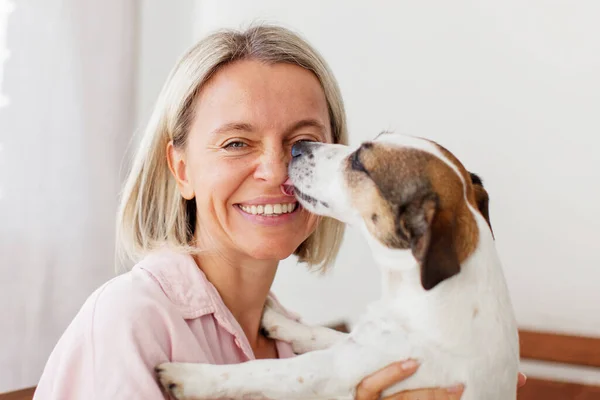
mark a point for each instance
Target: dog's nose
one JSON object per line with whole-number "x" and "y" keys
{"x": 299, "y": 148}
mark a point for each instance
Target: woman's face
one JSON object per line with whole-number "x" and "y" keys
{"x": 247, "y": 117}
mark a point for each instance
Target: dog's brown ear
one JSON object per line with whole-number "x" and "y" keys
{"x": 481, "y": 198}
{"x": 431, "y": 235}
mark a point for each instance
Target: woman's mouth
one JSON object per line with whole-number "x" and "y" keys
{"x": 269, "y": 210}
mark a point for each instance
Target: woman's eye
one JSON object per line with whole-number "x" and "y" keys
{"x": 235, "y": 145}
{"x": 306, "y": 140}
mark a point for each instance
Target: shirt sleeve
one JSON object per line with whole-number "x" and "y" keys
{"x": 110, "y": 350}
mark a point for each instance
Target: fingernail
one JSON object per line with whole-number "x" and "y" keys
{"x": 455, "y": 389}
{"x": 409, "y": 364}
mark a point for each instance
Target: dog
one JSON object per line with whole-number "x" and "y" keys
{"x": 444, "y": 298}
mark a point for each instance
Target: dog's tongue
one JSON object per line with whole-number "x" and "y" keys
{"x": 287, "y": 187}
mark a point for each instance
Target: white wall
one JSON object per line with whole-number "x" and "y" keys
{"x": 69, "y": 82}
{"x": 512, "y": 88}
{"x": 165, "y": 31}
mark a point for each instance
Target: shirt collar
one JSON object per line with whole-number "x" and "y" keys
{"x": 193, "y": 295}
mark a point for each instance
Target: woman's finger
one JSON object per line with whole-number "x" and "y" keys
{"x": 371, "y": 387}
{"x": 453, "y": 393}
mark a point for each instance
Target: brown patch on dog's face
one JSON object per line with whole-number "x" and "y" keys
{"x": 410, "y": 199}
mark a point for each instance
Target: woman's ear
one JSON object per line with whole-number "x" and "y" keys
{"x": 178, "y": 167}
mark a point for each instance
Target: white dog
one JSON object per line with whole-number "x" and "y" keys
{"x": 444, "y": 303}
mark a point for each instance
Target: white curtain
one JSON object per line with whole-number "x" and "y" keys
{"x": 64, "y": 132}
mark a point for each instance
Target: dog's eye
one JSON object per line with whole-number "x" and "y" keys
{"x": 355, "y": 162}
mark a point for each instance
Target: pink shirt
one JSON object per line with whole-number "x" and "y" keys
{"x": 164, "y": 309}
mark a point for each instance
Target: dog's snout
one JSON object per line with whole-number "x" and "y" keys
{"x": 301, "y": 148}
{"x": 297, "y": 150}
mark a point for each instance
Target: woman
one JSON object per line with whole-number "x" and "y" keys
{"x": 205, "y": 218}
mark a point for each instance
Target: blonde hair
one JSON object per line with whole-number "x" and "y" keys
{"x": 152, "y": 213}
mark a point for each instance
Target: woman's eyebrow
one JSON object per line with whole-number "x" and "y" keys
{"x": 245, "y": 127}
{"x": 233, "y": 126}
{"x": 306, "y": 123}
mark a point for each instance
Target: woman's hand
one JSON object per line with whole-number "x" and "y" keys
{"x": 371, "y": 387}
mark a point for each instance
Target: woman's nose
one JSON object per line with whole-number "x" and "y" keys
{"x": 273, "y": 167}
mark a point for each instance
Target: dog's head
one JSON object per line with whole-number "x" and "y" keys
{"x": 412, "y": 196}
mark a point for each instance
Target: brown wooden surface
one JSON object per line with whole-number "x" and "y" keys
{"x": 567, "y": 349}
{"x": 539, "y": 389}
{"x": 25, "y": 394}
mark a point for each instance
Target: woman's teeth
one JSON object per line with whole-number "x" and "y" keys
{"x": 270, "y": 209}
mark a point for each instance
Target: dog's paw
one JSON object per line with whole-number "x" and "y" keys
{"x": 273, "y": 322}
{"x": 278, "y": 326}
{"x": 174, "y": 377}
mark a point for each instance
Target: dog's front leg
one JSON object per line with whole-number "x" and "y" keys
{"x": 315, "y": 375}
{"x": 303, "y": 338}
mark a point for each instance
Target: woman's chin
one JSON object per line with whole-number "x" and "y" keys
{"x": 275, "y": 256}
{"x": 272, "y": 251}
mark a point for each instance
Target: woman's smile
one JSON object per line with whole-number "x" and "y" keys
{"x": 269, "y": 212}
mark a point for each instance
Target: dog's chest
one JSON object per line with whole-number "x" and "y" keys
{"x": 456, "y": 337}
{"x": 454, "y": 317}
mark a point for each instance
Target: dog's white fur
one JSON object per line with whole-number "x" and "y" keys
{"x": 436, "y": 327}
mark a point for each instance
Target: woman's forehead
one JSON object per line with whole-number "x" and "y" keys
{"x": 251, "y": 93}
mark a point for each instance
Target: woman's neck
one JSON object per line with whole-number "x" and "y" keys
{"x": 244, "y": 285}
